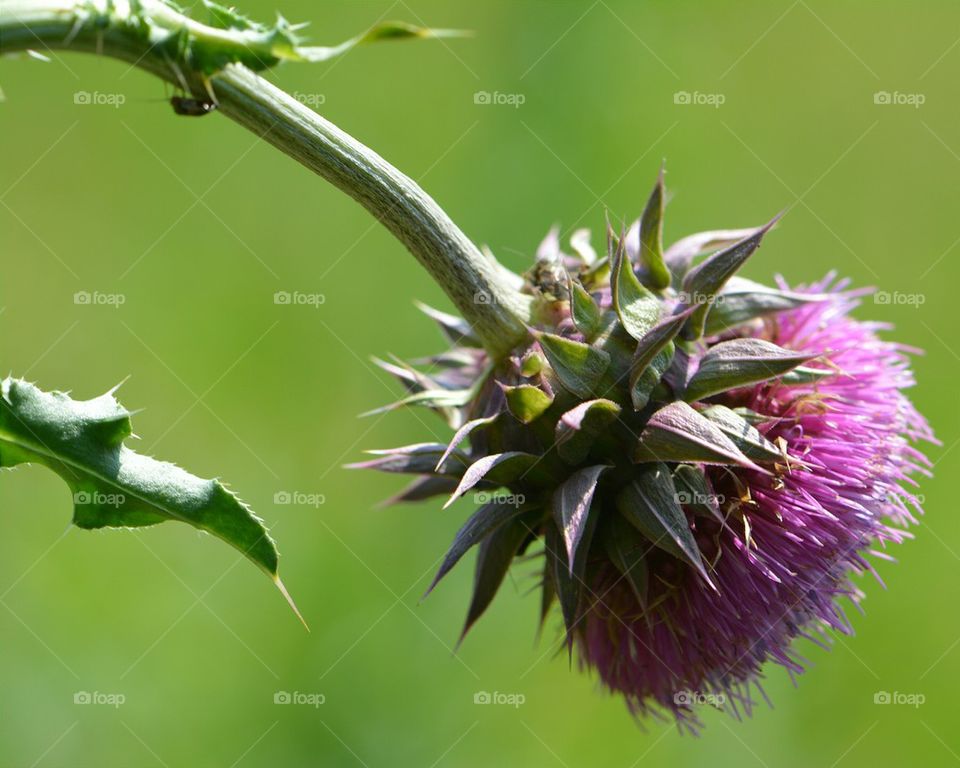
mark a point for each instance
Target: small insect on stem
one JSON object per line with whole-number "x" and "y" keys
{"x": 184, "y": 105}
{"x": 193, "y": 107}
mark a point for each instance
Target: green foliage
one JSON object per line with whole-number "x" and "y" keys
{"x": 83, "y": 441}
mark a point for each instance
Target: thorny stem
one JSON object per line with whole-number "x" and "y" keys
{"x": 140, "y": 33}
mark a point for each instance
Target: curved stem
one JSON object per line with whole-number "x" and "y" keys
{"x": 148, "y": 33}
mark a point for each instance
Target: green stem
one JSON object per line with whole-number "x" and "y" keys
{"x": 154, "y": 37}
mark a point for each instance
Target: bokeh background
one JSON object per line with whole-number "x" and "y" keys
{"x": 196, "y": 224}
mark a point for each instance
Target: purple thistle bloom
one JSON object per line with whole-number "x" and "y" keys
{"x": 792, "y": 541}
{"x": 706, "y": 461}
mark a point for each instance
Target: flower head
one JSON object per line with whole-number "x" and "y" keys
{"x": 705, "y": 461}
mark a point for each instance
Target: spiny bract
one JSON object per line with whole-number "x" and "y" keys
{"x": 706, "y": 460}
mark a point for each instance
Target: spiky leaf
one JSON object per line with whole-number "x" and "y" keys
{"x": 677, "y": 432}
{"x": 112, "y": 486}
{"x": 694, "y": 491}
{"x": 744, "y": 300}
{"x": 746, "y": 436}
{"x": 738, "y": 363}
{"x": 457, "y": 330}
{"x": 579, "y": 367}
{"x": 649, "y": 503}
{"x": 571, "y": 507}
{"x": 705, "y": 281}
{"x": 681, "y": 254}
{"x": 416, "y": 459}
{"x": 585, "y": 312}
{"x": 579, "y": 427}
{"x": 627, "y": 550}
{"x": 651, "y": 237}
{"x": 497, "y": 468}
{"x": 642, "y": 385}
{"x": 637, "y": 308}
{"x": 526, "y": 402}
{"x": 479, "y": 525}
{"x": 493, "y": 561}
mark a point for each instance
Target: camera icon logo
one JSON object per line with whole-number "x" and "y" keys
{"x": 282, "y": 497}
{"x": 282, "y": 697}
{"x": 482, "y": 97}
{"x": 82, "y": 697}
{"x": 682, "y": 97}
{"x": 882, "y": 97}
{"x": 482, "y": 697}
{"x": 282, "y": 297}
{"x": 82, "y": 297}
{"x": 882, "y": 697}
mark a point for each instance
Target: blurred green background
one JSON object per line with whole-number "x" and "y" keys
{"x": 196, "y": 224}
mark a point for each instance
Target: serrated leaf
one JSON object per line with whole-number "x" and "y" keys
{"x": 526, "y": 402}
{"x": 493, "y": 561}
{"x": 678, "y": 433}
{"x": 479, "y": 525}
{"x": 579, "y": 367}
{"x": 571, "y": 507}
{"x": 416, "y": 459}
{"x": 458, "y": 331}
{"x": 83, "y": 442}
{"x": 649, "y": 503}
{"x": 497, "y": 468}
{"x": 585, "y": 312}
{"x": 637, "y": 308}
{"x": 651, "y": 237}
{"x": 708, "y": 278}
{"x": 627, "y": 550}
{"x": 579, "y": 427}
{"x": 746, "y": 436}
{"x": 737, "y": 363}
{"x": 744, "y": 300}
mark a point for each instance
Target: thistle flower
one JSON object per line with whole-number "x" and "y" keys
{"x": 705, "y": 460}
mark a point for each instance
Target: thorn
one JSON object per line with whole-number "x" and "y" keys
{"x": 293, "y": 605}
